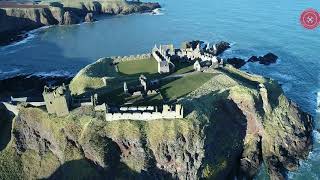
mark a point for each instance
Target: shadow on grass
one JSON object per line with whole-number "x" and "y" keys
{"x": 224, "y": 133}
{"x": 274, "y": 92}
{"x": 5, "y": 127}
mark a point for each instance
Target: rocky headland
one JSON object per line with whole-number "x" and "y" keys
{"x": 234, "y": 123}
{"x": 16, "y": 19}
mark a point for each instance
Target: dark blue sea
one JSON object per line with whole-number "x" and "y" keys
{"x": 253, "y": 27}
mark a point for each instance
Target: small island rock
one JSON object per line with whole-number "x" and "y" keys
{"x": 89, "y": 18}
{"x": 222, "y": 46}
{"x": 266, "y": 59}
{"x": 70, "y": 18}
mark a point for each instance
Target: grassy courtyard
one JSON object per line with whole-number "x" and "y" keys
{"x": 171, "y": 89}
{"x": 137, "y": 67}
{"x": 89, "y": 80}
{"x": 183, "y": 86}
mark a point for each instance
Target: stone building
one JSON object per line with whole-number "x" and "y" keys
{"x": 57, "y": 100}
{"x": 162, "y": 56}
{"x": 206, "y": 63}
{"x": 145, "y": 87}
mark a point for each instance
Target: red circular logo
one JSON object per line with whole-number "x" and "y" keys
{"x": 310, "y": 19}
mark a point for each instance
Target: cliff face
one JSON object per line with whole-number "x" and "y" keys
{"x": 14, "y": 20}
{"x": 231, "y": 127}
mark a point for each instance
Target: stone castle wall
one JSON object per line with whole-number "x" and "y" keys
{"x": 143, "y": 116}
{"x": 117, "y": 59}
{"x": 145, "y": 113}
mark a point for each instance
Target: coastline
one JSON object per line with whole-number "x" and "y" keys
{"x": 24, "y": 20}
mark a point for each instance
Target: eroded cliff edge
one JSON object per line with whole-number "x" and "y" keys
{"x": 234, "y": 123}
{"x": 15, "y": 19}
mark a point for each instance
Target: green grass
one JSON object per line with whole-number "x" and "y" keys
{"x": 90, "y": 77}
{"x": 118, "y": 97}
{"x": 137, "y": 67}
{"x": 181, "y": 68}
{"x": 242, "y": 77}
{"x": 184, "y": 85}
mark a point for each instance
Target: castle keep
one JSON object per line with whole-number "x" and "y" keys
{"x": 57, "y": 100}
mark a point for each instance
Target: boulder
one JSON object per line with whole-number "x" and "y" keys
{"x": 70, "y": 18}
{"x": 253, "y": 59}
{"x": 221, "y": 47}
{"x": 236, "y": 62}
{"x": 89, "y": 18}
{"x": 266, "y": 59}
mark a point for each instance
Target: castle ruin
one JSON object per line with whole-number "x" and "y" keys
{"x": 143, "y": 113}
{"x": 57, "y": 100}
{"x": 202, "y": 54}
{"x": 161, "y": 55}
{"x": 145, "y": 87}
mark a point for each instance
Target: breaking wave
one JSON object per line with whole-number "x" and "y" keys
{"x": 157, "y": 12}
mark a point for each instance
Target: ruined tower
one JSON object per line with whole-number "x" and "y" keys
{"x": 57, "y": 99}
{"x": 143, "y": 81}
{"x": 125, "y": 88}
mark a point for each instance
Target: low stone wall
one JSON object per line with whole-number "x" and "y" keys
{"x": 144, "y": 116}
{"x": 117, "y": 59}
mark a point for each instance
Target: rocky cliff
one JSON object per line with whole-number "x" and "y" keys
{"x": 234, "y": 123}
{"x": 15, "y": 20}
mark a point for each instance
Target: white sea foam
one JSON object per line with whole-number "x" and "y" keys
{"x": 316, "y": 136}
{"x": 157, "y": 12}
{"x": 31, "y": 34}
{"x": 282, "y": 77}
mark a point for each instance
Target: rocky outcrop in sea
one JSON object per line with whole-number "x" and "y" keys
{"x": 267, "y": 59}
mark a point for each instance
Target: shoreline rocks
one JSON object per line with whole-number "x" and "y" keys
{"x": 236, "y": 62}
{"x": 267, "y": 59}
{"x": 89, "y": 18}
{"x": 221, "y": 47}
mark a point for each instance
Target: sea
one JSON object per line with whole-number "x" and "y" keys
{"x": 253, "y": 27}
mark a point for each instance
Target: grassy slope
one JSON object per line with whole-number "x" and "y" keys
{"x": 90, "y": 77}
